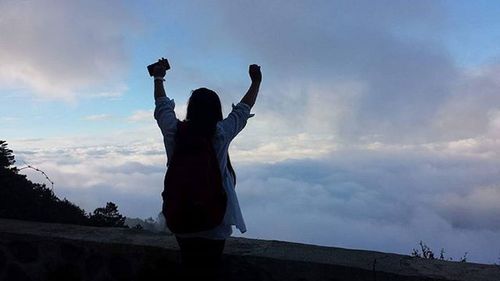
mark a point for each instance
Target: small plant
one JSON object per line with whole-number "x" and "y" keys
{"x": 138, "y": 227}
{"x": 425, "y": 252}
{"x": 464, "y": 258}
{"x": 441, "y": 254}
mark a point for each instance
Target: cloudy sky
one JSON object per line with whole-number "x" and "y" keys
{"x": 377, "y": 124}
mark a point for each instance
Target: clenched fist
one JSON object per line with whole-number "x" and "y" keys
{"x": 255, "y": 74}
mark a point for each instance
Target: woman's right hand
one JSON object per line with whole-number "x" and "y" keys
{"x": 255, "y": 74}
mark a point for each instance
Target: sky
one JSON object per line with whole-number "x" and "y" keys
{"x": 377, "y": 124}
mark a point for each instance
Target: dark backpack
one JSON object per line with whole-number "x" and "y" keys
{"x": 193, "y": 197}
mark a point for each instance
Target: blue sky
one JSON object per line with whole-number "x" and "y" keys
{"x": 473, "y": 40}
{"x": 377, "y": 124}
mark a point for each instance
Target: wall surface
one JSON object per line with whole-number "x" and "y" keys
{"x": 42, "y": 251}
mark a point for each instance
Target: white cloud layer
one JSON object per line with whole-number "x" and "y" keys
{"x": 97, "y": 117}
{"x": 141, "y": 115}
{"x": 381, "y": 197}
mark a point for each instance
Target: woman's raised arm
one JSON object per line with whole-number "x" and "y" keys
{"x": 256, "y": 77}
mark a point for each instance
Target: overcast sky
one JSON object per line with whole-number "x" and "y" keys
{"x": 377, "y": 124}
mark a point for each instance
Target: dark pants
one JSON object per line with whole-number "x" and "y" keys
{"x": 201, "y": 258}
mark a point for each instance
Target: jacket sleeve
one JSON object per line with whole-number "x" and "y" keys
{"x": 236, "y": 120}
{"x": 165, "y": 117}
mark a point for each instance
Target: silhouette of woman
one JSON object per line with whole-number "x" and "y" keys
{"x": 201, "y": 251}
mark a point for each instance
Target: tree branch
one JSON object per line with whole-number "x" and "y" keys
{"x": 38, "y": 170}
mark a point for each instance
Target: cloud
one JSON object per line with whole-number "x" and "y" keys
{"x": 97, "y": 117}
{"x": 359, "y": 71}
{"x": 146, "y": 115}
{"x": 8, "y": 119}
{"x": 477, "y": 209}
{"x": 141, "y": 115}
{"x": 64, "y": 48}
{"x": 91, "y": 175}
{"x": 372, "y": 199}
{"x": 379, "y": 196}
{"x": 472, "y": 109}
{"x": 112, "y": 93}
{"x": 271, "y": 149}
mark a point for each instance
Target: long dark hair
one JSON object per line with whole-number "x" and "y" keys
{"x": 204, "y": 110}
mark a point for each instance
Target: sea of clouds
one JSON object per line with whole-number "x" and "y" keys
{"x": 372, "y": 197}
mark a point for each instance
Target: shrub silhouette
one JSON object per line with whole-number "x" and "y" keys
{"x": 107, "y": 216}
{"x": 426, "y": 252}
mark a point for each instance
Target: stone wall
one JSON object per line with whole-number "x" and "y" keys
{"x": 41, "y": 251}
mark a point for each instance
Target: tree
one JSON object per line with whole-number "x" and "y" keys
{"x": 6, "y": 156}
{"x": 107, "y": 216}
{"x": 22, "y": 199}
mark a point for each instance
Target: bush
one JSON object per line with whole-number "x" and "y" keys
{"x": 426, "y": 252}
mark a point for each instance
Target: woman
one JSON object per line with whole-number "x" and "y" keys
{"x": 204, "y": 113}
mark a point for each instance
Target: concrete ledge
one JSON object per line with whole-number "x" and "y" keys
{"x": 43, "y": 251}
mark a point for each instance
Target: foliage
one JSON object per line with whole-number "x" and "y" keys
{"x": 6, "y": 156}
{"x": 148, "y": 224}
{"x": 22, "y": 199}
{"x": 138, "y": 227}
{"x": 107, "y": 216}
{"x": 426, "y": 252}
